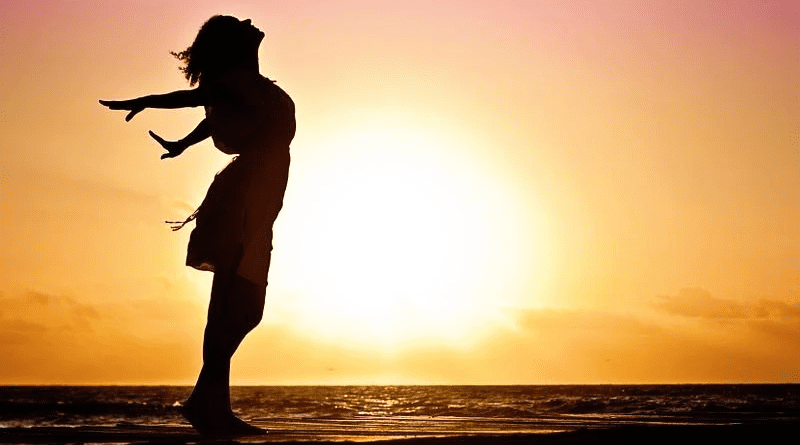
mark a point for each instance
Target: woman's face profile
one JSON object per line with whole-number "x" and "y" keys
{"x": 252, "y": 35}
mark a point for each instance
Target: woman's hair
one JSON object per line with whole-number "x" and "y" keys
{"x": 217, "y": 47}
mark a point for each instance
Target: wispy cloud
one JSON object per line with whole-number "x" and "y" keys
{"x": 696, "y": 302}
{"x": 37, "y": 312}
{"x": 776, "y": 318}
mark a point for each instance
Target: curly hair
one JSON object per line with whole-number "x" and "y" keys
{"x": 217, "y": 47}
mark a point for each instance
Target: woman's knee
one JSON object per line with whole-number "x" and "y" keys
{"x": 253, "y": 319}
{"x": 250, "y": 300}
{"x": 236, "y": 304}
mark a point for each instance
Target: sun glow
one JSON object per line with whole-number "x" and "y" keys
{"x": 400, "y": 238}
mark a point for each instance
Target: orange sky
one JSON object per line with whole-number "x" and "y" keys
{"x": 481, "y": 192}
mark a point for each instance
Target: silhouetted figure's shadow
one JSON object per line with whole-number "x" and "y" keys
{"x": 248, "y": 115}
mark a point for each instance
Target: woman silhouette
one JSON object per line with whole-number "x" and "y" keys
{"x": 247, "y": 115}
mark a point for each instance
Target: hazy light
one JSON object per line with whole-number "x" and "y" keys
{"x": 400, "y": 239}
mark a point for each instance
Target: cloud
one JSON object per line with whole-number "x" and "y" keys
{"x": 693, "y": 337}
{"x": 37, "y": 312}
{"x": 108, "y": 311}
{"x": 82, "y": 315}
{"x": 775, "y": 318}
{"x": 34, "y": 321}
{"x": 781, "y": 309}
{"x": 697, "y": 302}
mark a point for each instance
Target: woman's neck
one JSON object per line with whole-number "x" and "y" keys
{"x": 251, "y": 65}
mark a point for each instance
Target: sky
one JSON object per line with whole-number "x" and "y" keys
{"x": 507, "y": 192}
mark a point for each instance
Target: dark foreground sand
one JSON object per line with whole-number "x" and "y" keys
{"x": 784, "y": 432}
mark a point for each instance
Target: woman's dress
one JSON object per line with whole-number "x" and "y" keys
{"x": 250, "y": 116}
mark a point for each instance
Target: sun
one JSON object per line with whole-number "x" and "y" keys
{"x": 395, "y": 235}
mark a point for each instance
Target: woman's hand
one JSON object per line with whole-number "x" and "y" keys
{"x": 174, "y": 148}
{"x": 132, "y": 105}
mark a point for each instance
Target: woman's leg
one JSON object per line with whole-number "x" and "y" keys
{"x": 235, "y": 308}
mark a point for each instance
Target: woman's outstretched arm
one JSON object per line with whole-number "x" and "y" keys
{"x": 175, "y": 148}
{"x": 175, "y": 99}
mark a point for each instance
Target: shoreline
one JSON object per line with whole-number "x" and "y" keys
{"x": 745, "y": 433}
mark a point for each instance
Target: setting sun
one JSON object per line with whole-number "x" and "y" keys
{"x": 411, "y": 254}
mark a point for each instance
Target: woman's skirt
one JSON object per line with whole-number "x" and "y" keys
{"x": 233, "y": 232}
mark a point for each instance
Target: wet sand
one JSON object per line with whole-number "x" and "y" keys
{"x": 669, "y": 434}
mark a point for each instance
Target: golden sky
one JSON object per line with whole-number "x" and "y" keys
{"x": 501, "y": 192}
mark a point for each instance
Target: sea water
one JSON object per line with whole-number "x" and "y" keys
{"x": 410, "y": 410}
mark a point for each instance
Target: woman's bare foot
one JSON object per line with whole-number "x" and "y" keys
{"x": 220, "y": 424}
{"x": 191, "y": 412}
{"x": 236, "y": 427}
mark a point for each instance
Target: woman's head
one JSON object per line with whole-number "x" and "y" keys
{"x": 222, "y": 43}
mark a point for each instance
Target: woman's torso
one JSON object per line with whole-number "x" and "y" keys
{"x": 249, "y": 115}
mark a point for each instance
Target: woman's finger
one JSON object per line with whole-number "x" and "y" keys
{"x": 171, "y": 154}
{"x": 132, "y": 113}
{"x": 116, "y": 104}
{"x": 156, "y": 137}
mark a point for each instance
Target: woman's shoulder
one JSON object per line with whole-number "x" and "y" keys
{"x": 236, "y": 87}
{"x": 239, "y": 79}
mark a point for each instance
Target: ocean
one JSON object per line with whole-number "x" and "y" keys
{"x": 339, "y": 412}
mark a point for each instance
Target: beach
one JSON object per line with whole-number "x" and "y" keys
{"x": 413, "y": 415}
